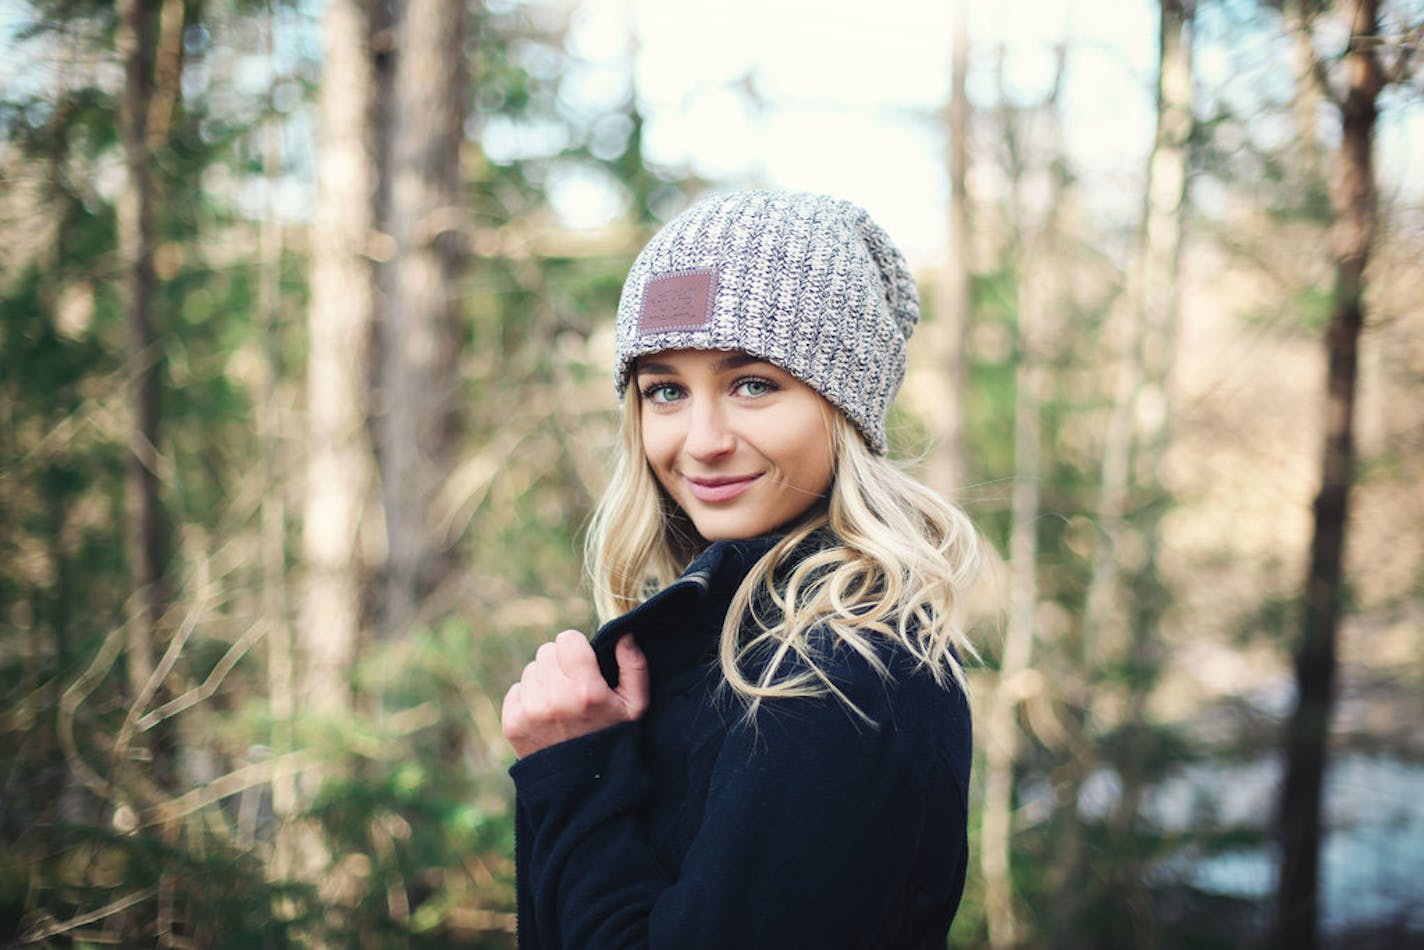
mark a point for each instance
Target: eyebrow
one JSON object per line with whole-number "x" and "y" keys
{"x": 730, "y": 361}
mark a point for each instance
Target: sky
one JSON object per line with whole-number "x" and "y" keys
{"x": 851, "y": 96}
{"x": 852, "y": 93}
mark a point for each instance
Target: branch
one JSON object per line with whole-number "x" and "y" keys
{"x": 96, "y": 411}
{"x": 1319, "y": 68}
{"x": 210, "y": 685}
{"x": 108, "y": 910}
{"x": 21, "y": 716}
{"x": 1408, "y": 44}
{"x": 249, "y": 776}
{"x": 69, "y": 704}
{"x": 155, "y": 679}
{"x": 259, "y": 773}
{"x": 465, "y": 490}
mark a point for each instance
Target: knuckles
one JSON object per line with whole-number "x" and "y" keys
{"x": 554, "y": 701}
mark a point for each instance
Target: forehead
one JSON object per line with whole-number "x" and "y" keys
{"x": 717, "y": 361}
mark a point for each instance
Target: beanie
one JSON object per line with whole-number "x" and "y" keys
{"x": 807, "y": 282}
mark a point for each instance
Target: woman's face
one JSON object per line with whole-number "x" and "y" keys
{"x": 740, "y": 444}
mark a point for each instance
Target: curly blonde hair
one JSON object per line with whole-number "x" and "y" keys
{"x": 896, "y": 566}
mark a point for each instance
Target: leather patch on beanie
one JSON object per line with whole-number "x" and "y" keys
{"x": 680, "y": 301}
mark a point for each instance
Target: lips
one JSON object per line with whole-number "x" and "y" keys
{"x": 713, "y": 490}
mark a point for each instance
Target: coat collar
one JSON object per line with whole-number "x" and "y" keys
{"x": 711, "y": 579}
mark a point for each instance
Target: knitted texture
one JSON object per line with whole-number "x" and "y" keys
{"x": 807, "y": 282}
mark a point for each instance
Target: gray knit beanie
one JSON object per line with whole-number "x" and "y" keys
{"x": 807, "y": 282}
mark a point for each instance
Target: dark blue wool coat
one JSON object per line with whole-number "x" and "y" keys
{"x": 806, "y": 827}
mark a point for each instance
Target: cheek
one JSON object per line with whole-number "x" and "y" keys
{"x": 821, "y": 466}
{"x": 659, "y": 440}
{"x": 817, "y": 451}
{"x": 807, "y": 459}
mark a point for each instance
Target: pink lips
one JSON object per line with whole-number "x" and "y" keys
{"x": 714, "y": 490}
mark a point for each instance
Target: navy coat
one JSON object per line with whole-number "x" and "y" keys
{"x": 694, "y": 827}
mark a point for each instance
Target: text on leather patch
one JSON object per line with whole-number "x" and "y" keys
{"x": 680, "y": 301}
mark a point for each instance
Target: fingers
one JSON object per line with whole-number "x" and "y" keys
{"x": 632, "y": 676}
{"x": 579, "y": 664}
{"x": 509, "y": 712}
{"x": 571, "y": 644}
{"x": 547, "y": 677}
{"x": 511, "y": 720}
{"x": 562, "y": 694}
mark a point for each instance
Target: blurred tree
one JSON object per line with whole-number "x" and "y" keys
{"x": 142, "y": 128}
{"x": 148, "y": 41}
{"x": 420, "y": 327}
{"x": 1143, "y": 408}
{"x": 955, "y": 300}
{"x": 339, "y": 466}
{"x": 273, "y": 437}
{"x": 1038, "y": 266}
{"x": 1353, "y": 230}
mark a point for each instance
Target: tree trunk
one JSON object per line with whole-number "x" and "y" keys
{"x": 281, "y": 683}
{"x": 956, "y": 300}
{"x": 340, "y": 466}
{"x": 1353, "y": 200}
{"x": 1135, "y": 439}
{"x": 167, "y": 71}
{"x": 146, "y": 529}
{"x": 150, "y": 47}
{"x": 339, "y": 463}
{"x": 1138, "y": 423}
{"x": 1001, "y": 729}
{"x": 420, "y": 330}
{"x": 1039, "y": 263}
{"x": 1158, "y": 269}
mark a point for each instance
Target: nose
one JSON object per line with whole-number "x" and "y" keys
{"x": 708, "y": 435}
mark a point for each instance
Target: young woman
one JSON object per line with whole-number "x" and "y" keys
{"x": 767, "y": 744}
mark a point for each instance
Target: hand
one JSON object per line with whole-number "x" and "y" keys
{"x": 562, "y": 695}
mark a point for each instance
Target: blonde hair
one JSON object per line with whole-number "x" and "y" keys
{"x": 898, "y": 561}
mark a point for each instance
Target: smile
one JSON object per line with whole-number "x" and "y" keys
{"x": 714, "y": 490}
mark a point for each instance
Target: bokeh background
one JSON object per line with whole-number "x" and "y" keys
{"x": 305, "y": 347}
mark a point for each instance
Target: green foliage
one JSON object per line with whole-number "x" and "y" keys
{"x": 422, "y": 853}
{"x": 210, "y": 892}
{"x": 990, "y": 403}
{"x": 1303, "y": 314}
{"x": 416, "y": 812}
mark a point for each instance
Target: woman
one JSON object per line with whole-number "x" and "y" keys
{"x": 768, "y": 745}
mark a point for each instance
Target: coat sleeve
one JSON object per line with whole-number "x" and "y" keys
{"x": 811, "y": 823}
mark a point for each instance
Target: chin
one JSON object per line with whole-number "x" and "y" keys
{"x": 732, "y": 528}
{"x": 728, "y": 532}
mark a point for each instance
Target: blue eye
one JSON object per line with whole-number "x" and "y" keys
{"x": 755, "y": 387}
{"x": 662, "y": 393}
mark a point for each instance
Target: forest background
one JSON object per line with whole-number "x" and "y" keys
{"x": 305, "y": 335}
